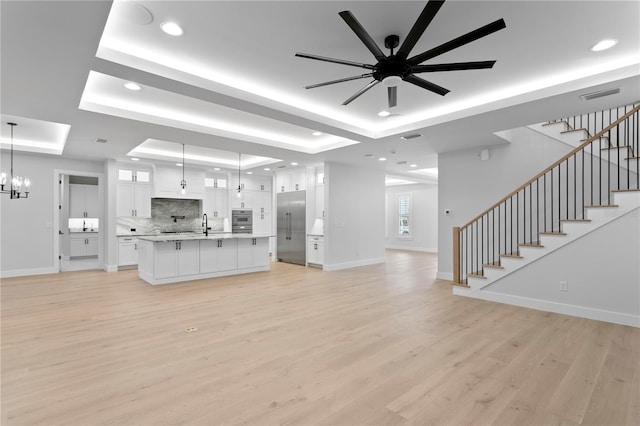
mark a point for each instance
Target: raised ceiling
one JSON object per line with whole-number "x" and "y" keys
{"x": 231, "y": 82}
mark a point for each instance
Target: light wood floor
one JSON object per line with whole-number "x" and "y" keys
{"x": 385, "y": 344}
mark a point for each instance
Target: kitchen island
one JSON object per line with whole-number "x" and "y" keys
{"x": 165, "y": 259}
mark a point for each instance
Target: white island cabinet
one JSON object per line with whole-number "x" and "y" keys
{"x": 170, "y": 259}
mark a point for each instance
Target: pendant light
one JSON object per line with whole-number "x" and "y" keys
{"x": 19, "y": 186}
{"x": 239, "y": 194}
{"x": 183, "y": 183}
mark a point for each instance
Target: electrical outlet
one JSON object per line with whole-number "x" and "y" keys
{"x": 564, "y": 286}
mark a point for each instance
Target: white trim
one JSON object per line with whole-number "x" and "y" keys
{"x": 444, "y": 276}
{"x": 25, "y": 272}
{"x": 354, "y": 264}
{"x": 548, "y": 306}
{"x": 110, "y": 268}
{"x": 409, "y": 248}
{"x": 56, "y": 211}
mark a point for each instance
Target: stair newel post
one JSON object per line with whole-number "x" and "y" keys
{"x": 456, "y": 255}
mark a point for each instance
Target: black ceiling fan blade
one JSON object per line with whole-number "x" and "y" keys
{"x": 392, "y": 94}
{"x": 362, "y": 34}
{"x": 326, "y": 83}
{"x": 459, "y": 41}
{"x": 426, "y": 85}
{"x": 421, "y": 24}
{"x": 360, "y": 92}
{"x": 457, "y": 66}
{"x": 335, "y": 61}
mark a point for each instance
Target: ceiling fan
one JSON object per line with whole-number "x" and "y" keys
{"x": 393, "y": 68}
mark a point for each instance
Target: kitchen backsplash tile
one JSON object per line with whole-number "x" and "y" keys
{"x": 161, "y": 221}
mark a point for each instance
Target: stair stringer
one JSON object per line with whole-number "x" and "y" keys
{"x": 629, "y": 209}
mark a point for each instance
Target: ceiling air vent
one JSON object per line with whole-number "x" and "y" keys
{"x": 600, "y": 94}
{"x": 413, "y": 136}
{"x": 401, "y": 162}
{"x": 100, "y": 140}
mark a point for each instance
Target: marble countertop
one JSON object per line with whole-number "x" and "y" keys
{"x": 80, "y": 231}
{"x": 189, "y": 237}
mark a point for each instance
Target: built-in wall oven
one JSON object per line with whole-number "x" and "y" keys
{"x": 241, "y": 221}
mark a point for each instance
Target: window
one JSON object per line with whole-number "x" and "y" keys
{"x": 142, "y": 176}
{"x": 126, "y": 175}
{"x": 404, "y": 216}
{"x": 209, "y": 182}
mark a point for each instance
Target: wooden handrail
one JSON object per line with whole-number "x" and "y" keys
{"x": 542, "y": 173}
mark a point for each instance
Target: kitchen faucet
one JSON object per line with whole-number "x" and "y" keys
{"x": 205, "y": 223}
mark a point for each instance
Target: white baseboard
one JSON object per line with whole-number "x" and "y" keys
{"x": 444, "y": 276}
{"x": 422, "y": 249}
{"x": 25, "y": 272}
{"x": 354, "y": 264}
{"x": 110, "y": 268}
{"x": 549, "y": 306}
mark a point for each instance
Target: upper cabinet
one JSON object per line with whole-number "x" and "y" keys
{"x": 134, "y": 192}
{"x": 167, "y": 183}
{"x": 83, "y": 201}
{"x": 293, "y": 180}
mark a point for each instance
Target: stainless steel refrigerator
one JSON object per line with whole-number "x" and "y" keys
{"x": 291, "y": 227}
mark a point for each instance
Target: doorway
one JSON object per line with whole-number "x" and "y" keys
{"x": 79, "y": 223}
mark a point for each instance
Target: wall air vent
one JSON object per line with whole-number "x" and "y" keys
{"x": 413, "y": 136}
{"x": 600, "y": 94}
{"x": 100, "y": 140}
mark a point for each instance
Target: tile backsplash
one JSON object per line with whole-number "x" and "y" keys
{"x": 162, "y": 210}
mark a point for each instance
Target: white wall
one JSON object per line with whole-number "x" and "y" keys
{"x": 354, "y": 210}
{"x": 468, "y": 185}
{"x": 601, "y": 270}
{"x": 424, "y": 212}
{"x": 26, "y": 230}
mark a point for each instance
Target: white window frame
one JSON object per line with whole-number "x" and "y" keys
{"x": 409, "y": 217}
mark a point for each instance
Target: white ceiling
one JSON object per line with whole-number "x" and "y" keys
{"x": 232, "y": 82}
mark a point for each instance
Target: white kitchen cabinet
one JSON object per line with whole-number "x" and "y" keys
{"x": 215, "y": 203}
{"x": 218, "y": 255}
{"x": 262, "y": 223}
{"x": 167, "y": 183}
{"x": 133, "y": 199}
{"x": 315, "y": 250}
{"x": 83, "y": 201}
{"x": 176, "y": 259}
{"x": 253, "y": 252}
{"x": 127, "y": 251}
{"x": 294, "y": 180}
{"x": 319, "y": 211}
{"x": 245, "y": 201}
{"x": 262, "y": 202}
{"x": 82, "y": 245}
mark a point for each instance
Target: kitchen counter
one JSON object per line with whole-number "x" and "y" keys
{"x": 171, "y": 258}
{"x": 76, "y": 231}
{"x": 191, "y": 237}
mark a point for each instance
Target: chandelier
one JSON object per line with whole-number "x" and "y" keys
{"x": 19, "y": 186}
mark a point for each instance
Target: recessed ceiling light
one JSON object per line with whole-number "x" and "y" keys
{"x": 267, "y": 169}
{"x": 216, "y": 169}
{"x": 604, "y": 45}
{"x": 249, "y": 173}
{"x": 382, "y": 159}
{"x": 135, "y": 159}
{"x": 179, "y": 164}
{"x": 316, "y": 133}
{"x": 132, "y": 86}
{"x": 413, "y": 165}
{"x": 294, "y": 164}
{"x": 171, "y": 28}
{"x": 384, "y": 113}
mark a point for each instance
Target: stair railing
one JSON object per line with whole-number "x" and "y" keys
{"x": 558, "y": 193}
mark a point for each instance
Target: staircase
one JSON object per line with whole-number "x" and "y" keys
{"x": 595, "y": 184}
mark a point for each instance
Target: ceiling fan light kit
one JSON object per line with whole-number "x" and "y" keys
{"x": 391, "y": 69}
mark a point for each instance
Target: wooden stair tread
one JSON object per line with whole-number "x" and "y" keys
{"x": 625, "y": 190}
{"x": 575, "y": 220}
{"x": 476, "y": 275}
{"x": 601, "y": 206}
{"x": 552, "y": 233}
{"x": 556, "y": 122}
{"x": 493, "y": 265}
{"x": 460, "y": 284}
{"x": 575, "y": 130}
{"x": 515, "y": 256}
{"x": 632, "y": 158}
{"x": 599, "y": 137}
{"x": 530, "y": 245}
{"x": 629, "y": 147}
